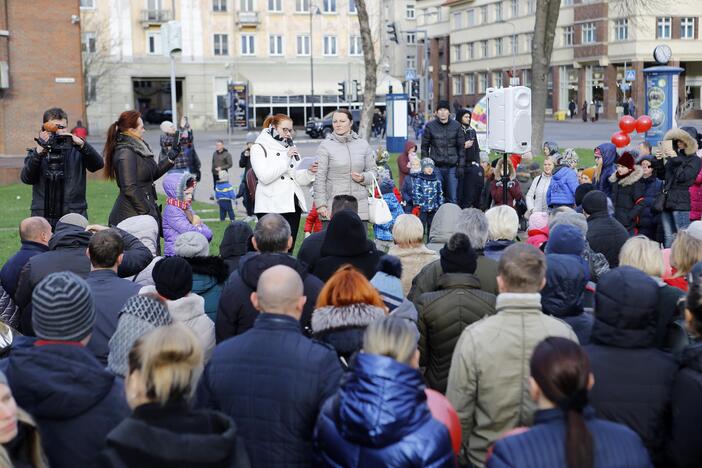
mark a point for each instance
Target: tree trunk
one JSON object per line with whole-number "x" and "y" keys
{"x": 541, "y": 49}
{"x": 370, "y": 66}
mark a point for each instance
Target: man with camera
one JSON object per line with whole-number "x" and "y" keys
{"x": 56, "y": 169}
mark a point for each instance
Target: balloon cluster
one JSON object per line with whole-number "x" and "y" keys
{"x": 628, "y": 124}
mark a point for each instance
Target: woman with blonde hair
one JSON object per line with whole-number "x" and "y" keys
{"x": 347, "y": 303}
{"x": 644, "y": 254}
{"x": 380, "y": 414}
{"x": 164, "y": 368}
{"x": 684, "y": 253}
{"x": 408, "y": 236}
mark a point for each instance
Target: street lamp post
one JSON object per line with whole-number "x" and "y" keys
{"x": 314, "y": 10}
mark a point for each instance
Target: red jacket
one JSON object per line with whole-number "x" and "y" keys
{"x": 313, "y": 223}
{"x": 696, "y": 198}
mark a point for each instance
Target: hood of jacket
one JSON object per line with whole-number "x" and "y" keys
{"x": 186, "y": 308}
{"x": 566, "y": 278}
{"x": 253, "y": 264}
{"x": 236, "y": 239}
{"x": 565, "y": 239}
{"x": 552, "y": 147}
{"x": 346, "y": 236}
{"x": 144, "y": 228}
{"x": 625, "y": 309}
{"x": 386, "y": 186}
{"x": 445, "y": 223}
{"x": 380, "y": 401}
{"x": 57, "y": 381}
{"x": 174, "y": 184}
{"x": 349, "y": 316}
{"x": 209, "y": 266}
{"x": 349, "y": 137}
{"x": 409, "y": 144}
{"x": 510, "y": 169}
{"x": 560, "y": 173}
{"x": 680, "y": 134}
{"x": 136, "y": 145}
{"x": 609, "y": 154}
{"x": 69, "y": 236}
{"x": 633, "y": 177}
{"x": 692, "y": 357}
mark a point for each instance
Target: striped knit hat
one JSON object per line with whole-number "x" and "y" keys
{"x": 62, "y": 308}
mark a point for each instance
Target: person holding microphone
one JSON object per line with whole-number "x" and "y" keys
{"x": 275, "y": 161}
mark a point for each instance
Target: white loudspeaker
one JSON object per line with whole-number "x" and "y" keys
{"x": 509, "y": 119}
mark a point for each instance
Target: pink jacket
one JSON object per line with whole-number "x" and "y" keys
{"x": 696, "y": 198}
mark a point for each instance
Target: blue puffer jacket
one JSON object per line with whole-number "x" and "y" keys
{"x": 427, "y": 192}
{"x": 384, "y": 231}
{"x": 379, "y": 417}
{"x": 561, "y": 190}
{"x": 609, "y": 159}
{"x": 544, "y": 444}
{"x": 649, "y": 221}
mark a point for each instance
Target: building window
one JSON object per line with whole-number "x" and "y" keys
{"x": 275, "y": 44}
{"x": 498, "y": 11}
{"x": 531, "y": 6}
{"x": 153, "y": 43}
{"x": 302, "y": 6}
{"x": 456, "y": 53}
{"x": 621, "y": 29}
{"x": 87, "y": 4}
{"x": 497, "y": 79}
{"x": 484, "y": 14}
{"x": 246, "y": 5}
{"x": 329, "y": 45}
{"x": 409, "y": 11}
{"x": 663, "y": 26}
{"x": 568, "y": 35}
{"x": 589, "y": 36}
{"x": 498, "y": 47}
{"x": 411, "y": 62}
{"x": 457, "y": 86}
{"x": 303, "y": 45}
{"x": 411, "y": 38}
{"x": 687, "y": 28}
{"x": 355, "y": 46}
{"x": 248, "y": 44}
{"x": 470, "y": 51}
{"x": 482, "y": 83}
{"x": 470, "y": 83}
{"x": 329, "y": 6}
{"x": 89, "y": 42}
{"x": 483, "y": 49}
{"x": 275, "y": 5}
{"x": 470, "y": 14}
{"x": 221, "y": 44}
{"x": 457, "y": 23}
{"x": 219, "y": 5}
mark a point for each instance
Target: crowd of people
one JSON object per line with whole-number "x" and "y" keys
{"x": 508, "y": 314}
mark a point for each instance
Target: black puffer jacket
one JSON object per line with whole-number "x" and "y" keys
{"x": 236, "y": 314}
{"x": 236, "y": 242}
{"x": 606, "y": 235}
{"x": 136, "y": 170}
{"x": 687, "y": 409}
{"x": 443, "y": 142}
{"x": 472, "y": 154}
{"x": 443, "y": 315}
{"x": 633, "y": 380}
{"x": 681, "y": 171}
{"x": 628, "y": 198}
{"x": 76, "y": 161}
{"x": 650, "y": 220}
{"x": 562, "y": 297}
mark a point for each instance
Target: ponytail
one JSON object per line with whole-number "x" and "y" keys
{"x": 127, "y": 119}
{"x": 579, "y": 447}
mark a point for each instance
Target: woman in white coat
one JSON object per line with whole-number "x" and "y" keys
{"x": 536, "y": 196}
{"x": 274, "y": 160}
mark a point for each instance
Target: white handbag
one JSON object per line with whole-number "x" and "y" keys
{"x": 378, "y": 210}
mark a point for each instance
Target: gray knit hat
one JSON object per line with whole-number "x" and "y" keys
{"x": 62, "y": 308}
{"x": 140, "y": 315}
{"x": 192, "y": 244}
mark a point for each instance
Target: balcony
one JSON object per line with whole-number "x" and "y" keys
{"x": 247, "y": 19}
{"x": 155, "y": 17}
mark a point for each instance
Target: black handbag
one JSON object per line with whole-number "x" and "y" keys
{"x": 658, "y": 204}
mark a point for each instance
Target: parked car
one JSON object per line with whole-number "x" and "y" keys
{"x": 320, "y": 128}
{"x": 156, "y": 116}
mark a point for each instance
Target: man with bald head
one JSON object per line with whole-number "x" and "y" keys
{"x": 272, "y": 380}
{"x": 34, "y": 233}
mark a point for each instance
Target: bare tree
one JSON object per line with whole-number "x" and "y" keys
{"x": 97, "y": 62}
{"x": 541, "y": 49}
{"x": 370, "y": 65}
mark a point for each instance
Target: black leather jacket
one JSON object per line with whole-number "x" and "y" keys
{"x": 135, "y": 171}
{"x": 443, "y": 142}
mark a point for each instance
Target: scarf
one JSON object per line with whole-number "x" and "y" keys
{"x": 276, "y": 136}
{"x": 183, "y": 205}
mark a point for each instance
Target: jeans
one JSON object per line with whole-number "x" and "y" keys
{"x": 426, "y": 217}
{"x": 673, "y": 221}
{"x": 225, "y": 209}
{"x": 449, "y": 182}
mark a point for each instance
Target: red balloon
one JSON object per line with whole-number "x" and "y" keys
{"x": 643, "y": 124}
{"x": 442, "y": 410}
{"x": 627, "y": 124}
{"x": 620, "y": 139}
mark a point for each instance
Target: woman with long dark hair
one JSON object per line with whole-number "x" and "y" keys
{"x": 566, "y": 432}
{"x": 130, "y": 161}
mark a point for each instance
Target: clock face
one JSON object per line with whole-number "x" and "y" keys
{"x": 662, "y": 54}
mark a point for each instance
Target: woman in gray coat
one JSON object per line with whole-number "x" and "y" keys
{"x": 345, "y": 167}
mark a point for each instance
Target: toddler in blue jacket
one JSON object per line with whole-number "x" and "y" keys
{"x": 225, "y": 195}
{"x": 427, "y": 193}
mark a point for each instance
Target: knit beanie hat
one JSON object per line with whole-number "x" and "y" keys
{"x": 139, "y": 315}
{"x": 569, "y": 158}
{"x": 565, "y": 239}
{"x": 251, "y": 137}
{"x": 595, "y": 202}
{"x": 538, "y": 220}
{"x": 427, "y": 162}
{"x": 581, "y": 191}
{"x": 387, "y": 281}
{"x": 173, "y": 277}
{"x": 192, "y": 244}
{"x": 626, "y": 160}
{"x": 74, "y": 219}
{"x": 695, "y": 230}
{"x": 62, "y": 308}
{"x": 589, "y": 172}
{"x": 443, "y": 104}
{"x": 458, "y": 256}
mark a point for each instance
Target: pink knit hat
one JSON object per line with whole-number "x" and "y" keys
{"x": 538, "y": 220}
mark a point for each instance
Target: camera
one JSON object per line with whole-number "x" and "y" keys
{"x": 57, "y": 146}
{"x": 57, "y": 143}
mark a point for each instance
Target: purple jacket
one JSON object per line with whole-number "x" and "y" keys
{"x": 175, "y": 221}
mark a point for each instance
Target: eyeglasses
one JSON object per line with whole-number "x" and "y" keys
{"x": 288, "y": 130}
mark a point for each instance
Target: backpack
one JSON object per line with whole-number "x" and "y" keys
{"x": 251, "y": 179}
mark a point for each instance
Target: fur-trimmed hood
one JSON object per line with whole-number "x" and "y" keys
{"x": 633, "y": 177}
{"x": 680, "y": 134}
{"x": 351, "y": 316}
{"x": 136, "y": 145}
{"x": 498, "y": 170}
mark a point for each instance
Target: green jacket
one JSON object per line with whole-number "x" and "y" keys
{"x": 488, "y": 383}
{"x": 443, "y": 315}
{"x": 427, "y": 279}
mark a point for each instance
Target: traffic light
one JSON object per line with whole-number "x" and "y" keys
{"x": 415, "y": 88}
{"x": 392, "y": 33}
{"x": 342, "y": 90}
{"x": 356, "y": 90}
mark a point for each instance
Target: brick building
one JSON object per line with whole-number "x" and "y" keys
{"x": 40, "y": 59}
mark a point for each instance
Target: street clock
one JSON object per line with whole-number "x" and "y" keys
{"x": 662, "y": 54}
